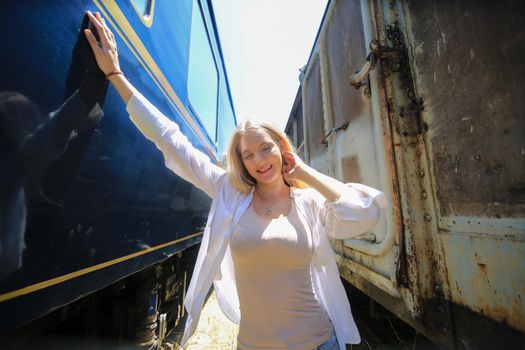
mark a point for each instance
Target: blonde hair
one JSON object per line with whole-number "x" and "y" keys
{"x": 238, "y": 174}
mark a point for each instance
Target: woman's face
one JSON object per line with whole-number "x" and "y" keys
{"x": 261, "y": 156}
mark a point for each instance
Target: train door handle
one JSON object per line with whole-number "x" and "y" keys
{"x": 377, "y": 52}
{"x": 324, "y": 141}
{"x": 356, "y": 80}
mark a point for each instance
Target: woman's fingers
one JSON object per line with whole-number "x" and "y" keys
{"x": 103, "y": 23}
{"x": 104, "y": 35}
{"x": 293, "y": 167}
{"x": 289, "y": 163}
{"x": 93, "y": 19}
{"x": 96, "y": 22}
{"x": 109, "y": 33}
{"x": 92, "y": 41}
{"x": 106, "y": 51}
{"x": 290, "y": 159}
{"x": 101, "y": 30}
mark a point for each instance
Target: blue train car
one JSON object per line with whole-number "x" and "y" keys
{"x": 96, "y": 211}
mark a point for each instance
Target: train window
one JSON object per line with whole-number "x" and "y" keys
{"x": 144, "y": 9}
{"x": 345, "y": 54}
{"x": 203, "y": 75}
{"x": 295, "y": 132}
{"x": 300, "y": 135}
{"x": 313, "y": 112}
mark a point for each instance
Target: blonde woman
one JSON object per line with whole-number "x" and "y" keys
{"x": 265, "y": 246}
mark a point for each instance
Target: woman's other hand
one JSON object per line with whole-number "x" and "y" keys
{"x": 293, "y": 167}
{"x": 105, "y": 51}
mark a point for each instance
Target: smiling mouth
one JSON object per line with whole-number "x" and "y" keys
{"x": 265, "y": 170}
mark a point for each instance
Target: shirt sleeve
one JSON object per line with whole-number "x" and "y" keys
{"x": 354, "y": 213}
{"x": 180, "y": 155}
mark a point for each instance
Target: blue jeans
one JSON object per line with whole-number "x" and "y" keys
{"x": 330, "y": 344}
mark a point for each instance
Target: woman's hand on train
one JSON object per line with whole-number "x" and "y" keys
{"x": 105, "y": 51}
{"x": 293, "y": 166}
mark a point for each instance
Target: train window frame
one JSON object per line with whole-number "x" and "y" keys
{"x": 145, "y": 15}
{"x": 212, "y": 134}
{"x": 228, "y": 120}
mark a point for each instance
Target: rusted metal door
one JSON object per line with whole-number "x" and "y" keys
{"x": 348, "y": 135}
{"x": 372, "y": 134}
{"x": 471, "y": 74}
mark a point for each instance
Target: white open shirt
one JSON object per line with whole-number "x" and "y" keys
{"x": 356, "y": 212}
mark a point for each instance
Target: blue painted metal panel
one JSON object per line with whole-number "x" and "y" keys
{"x": 108, "y": 195}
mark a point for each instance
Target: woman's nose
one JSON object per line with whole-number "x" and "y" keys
{"x": 260, "y": 157}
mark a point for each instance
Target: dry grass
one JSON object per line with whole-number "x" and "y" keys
{"x": 214, "y": 332}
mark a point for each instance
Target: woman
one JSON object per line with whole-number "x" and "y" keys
{"x": 265, "y": 246}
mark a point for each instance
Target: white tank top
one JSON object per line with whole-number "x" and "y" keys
{"x": 279, "y": 309}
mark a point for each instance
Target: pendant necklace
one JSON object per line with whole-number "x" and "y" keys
{"x": 268, "y": 207}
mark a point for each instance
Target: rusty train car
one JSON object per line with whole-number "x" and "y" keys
{"x": 425, "y": 100}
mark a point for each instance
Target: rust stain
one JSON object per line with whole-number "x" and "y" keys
{"x": 490, "y": 300}
{"x": 513, "y": 319}
{"x": 351, "y": 172}
{"x": 457, "y": 288}
{"x": 483, "y": 268}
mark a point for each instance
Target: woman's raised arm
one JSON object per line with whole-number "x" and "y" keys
{"x": 346, "y": 210}
{"x": 179, "y": 154}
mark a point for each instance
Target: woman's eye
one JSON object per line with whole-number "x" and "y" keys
{"x": 267, "y": 148}
{"x": 248, "y": 156}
